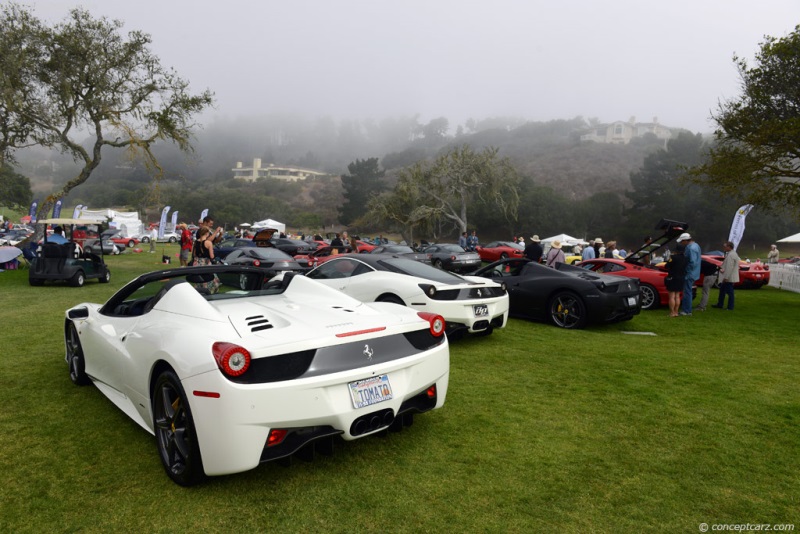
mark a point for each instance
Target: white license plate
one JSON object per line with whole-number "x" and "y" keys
{"x": 631, "y": 301}
{"x": 370, "y": 391}
{"x": 480, "y": 310}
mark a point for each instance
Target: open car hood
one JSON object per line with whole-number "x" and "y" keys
{"x": 670, "y": 231}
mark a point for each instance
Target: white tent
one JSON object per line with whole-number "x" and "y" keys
{"x": 791, "y": 239}
{"x": 269, "y": 223}
{"x": 565, "y": 239}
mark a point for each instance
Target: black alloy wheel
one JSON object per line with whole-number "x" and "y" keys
{"x": 77, "y": 366}
{"x": 106, "y": 277}
{"x": 176, "y": 438}
{"x": 567, "y": 310}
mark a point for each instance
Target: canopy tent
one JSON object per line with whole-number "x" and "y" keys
{"x": 565, "y": 239}
{"x": 791, "y": 239}
{"x": 270, "y": 223}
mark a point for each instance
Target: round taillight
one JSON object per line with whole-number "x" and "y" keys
{"x": 453, "y": 258}
{"x": 232, "y": 359}
{"x": 437, "y": 323}
{"x": 256, "y": 263}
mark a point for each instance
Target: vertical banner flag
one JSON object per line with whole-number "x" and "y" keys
{"x": 57, "y": 209}
{"x": 162, "y": 225}
{"x": 737, "y": 228}
{"x": 203, "y": 215}
{"x": 32, "y": 213}
{"x": 174, "y": 221}
{"x": 76, "y": 213}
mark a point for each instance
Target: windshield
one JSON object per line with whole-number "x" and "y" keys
{"x": 268, "y": 253}
{"x": 421, "y": 270}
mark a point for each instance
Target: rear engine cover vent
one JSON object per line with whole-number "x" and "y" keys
{"x": 258, "y": 323}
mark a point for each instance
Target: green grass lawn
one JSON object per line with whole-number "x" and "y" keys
{"x": 543, "y": 430}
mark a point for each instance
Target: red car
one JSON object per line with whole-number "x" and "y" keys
{"x": 321, "y": 255}
{"x": 652, "y": 290}
{"x": 751, "y": 275}
{"x": 500, "y": 250}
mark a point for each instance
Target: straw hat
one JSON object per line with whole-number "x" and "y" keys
{"x": 598, "y": 241}
{"x": 535, "y": 238}
{"x": 556, "y": 244}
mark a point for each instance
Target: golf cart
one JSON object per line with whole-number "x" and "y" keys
{"x": 68, "y": 261}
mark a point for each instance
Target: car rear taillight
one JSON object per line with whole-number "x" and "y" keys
{"x": 256, "y": 263}
{"x": 276, "y": 436}
{"x": 232, "y": 359}
{"x": 431, "y": 392}
{"x": 453, "y": 258}
{"x": 437, "y": 322}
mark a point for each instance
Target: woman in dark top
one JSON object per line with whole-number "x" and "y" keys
{"x": 203, "y": 252}
{"x": 676, "y": 269}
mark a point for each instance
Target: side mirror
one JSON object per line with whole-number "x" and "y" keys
{"x": 78, "y": 313}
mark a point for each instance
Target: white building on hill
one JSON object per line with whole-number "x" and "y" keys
{"x": 251, "y": 174}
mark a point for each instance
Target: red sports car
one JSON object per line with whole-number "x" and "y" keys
{"x": 321, "y": 255}
{"x": 652, "y": 290}
{"x": 751, "y": 275}
{"x": 500, "y": 250}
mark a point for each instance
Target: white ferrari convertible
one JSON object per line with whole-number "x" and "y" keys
{"x": 229, "y": 370}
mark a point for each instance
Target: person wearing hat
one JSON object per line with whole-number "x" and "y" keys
{"x": 555, "y": 254}
{"x": 692, "y": 254}
{"x": 774, "y": 254}
{"x": 534, "y": 249}
{"x": 610, "y": 247}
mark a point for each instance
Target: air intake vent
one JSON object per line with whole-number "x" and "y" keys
{"x": 258, "y": 323}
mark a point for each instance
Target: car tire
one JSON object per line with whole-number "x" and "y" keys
{"x": 77, "y": 279}
{"x": 567, "y": 310}
{"x": 88, "y": 250}
{"x": 391, "y": 298}
{"x": 503, "y": 256}
{"x": 75, "y": 359}
{"x": 131, "y": 243}
{"x": 176, "y": 438}
{"x": 145, "y": 240}
{"x": 172, "y": 240}
{"x": 438, "y": 264}
{"x": 649, "y": 297}
{"x": 36, "y": 281}
{"x": 106, "y": 277}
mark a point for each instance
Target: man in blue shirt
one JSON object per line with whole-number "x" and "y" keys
{"x": 692, "y": 255}
{"x": 472, "y": 242}
{"x": 58, "y": 236}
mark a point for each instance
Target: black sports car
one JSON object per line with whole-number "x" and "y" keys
{"x": 452, "y": 257}
{"x": 568, "y": 296}
{"x": 265, "y": 257}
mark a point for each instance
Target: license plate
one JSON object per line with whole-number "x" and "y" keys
{"x": 370, "y": 391}
{"x": 631, "y": 301}
{"x": 480, "y": 310}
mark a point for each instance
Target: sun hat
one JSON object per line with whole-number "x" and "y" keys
{"x": 598, "y": 241}
{"x": 535, "y": 238}
{"x": 684, "y": 237}
{"x": 556, "y": 244}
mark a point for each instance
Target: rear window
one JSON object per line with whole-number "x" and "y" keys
{"x": 421, "y": 270}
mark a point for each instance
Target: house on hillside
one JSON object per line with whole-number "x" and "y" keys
{"x": 251, "y": 174}
{"x": 621, "y": 133}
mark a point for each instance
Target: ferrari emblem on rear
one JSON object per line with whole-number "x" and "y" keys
{"x": 368, "y": 352}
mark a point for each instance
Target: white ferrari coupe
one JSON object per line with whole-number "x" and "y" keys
{"x": 468, "y": 303}
{"x": 228, "y": 369}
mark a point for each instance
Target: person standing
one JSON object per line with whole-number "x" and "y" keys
{"x": 472, "y": 242}
{"x": 774, "y": 254}
{"x": 534, "y": 249}
{"x": 186, "y": 244}
{"x": 590, "y": 252}
{"x": 676, "y": 269}
{"x": 692, "y": 254}
{"x": 728, "y": 275}
{"x": 153, "y": 238}
{"x": 462, "y": 241}
{"x": 555, "y": 254}
{"x": 709, "y": 272}
{"x": 609, "y": 252}
{"x": 216, "y": 235}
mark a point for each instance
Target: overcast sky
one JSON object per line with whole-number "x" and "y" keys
{"x": 535, "y": 59}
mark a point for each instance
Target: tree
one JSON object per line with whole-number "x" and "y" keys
{"x": 82, "y": 76}
{"x": 756, "y": 157}
{"x": 15, "y": 189}
{"x": 462, "y": 175}
{"x": 364, "y": 181}
{"x": 403, "y": 209}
